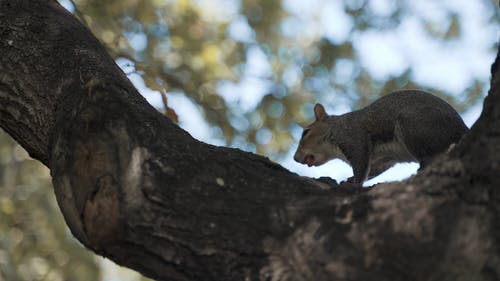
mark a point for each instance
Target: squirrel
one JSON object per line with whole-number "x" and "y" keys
{"x": 403, "y": 126}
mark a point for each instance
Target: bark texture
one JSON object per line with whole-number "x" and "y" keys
{"x": 139, "y": 190}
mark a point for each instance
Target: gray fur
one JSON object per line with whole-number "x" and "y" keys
{"x": 403, "y": 126}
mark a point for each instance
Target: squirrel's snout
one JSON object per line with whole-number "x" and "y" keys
{"x": 296, "y": 157}
{"x": 304, "y": 159}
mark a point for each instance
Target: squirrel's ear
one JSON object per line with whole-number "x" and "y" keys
{"x": 319, "y": 112}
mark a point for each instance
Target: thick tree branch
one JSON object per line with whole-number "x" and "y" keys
{"x": 139, "y": 190}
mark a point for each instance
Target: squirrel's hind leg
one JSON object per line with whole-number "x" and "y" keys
{"x": 379, "y": 166}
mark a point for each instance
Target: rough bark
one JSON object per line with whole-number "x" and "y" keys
{"x": 139, "y": 190}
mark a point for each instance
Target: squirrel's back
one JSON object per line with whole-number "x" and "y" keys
{"x": 409, "y": 100}
{"x": 418, "y": 110}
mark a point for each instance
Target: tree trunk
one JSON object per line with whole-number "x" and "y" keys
{"x": 137, "y": 189}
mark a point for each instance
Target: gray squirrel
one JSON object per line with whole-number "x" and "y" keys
{"x": 403, "y": 126}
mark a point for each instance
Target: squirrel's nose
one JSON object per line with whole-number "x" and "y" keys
{"x": 297, "y": 157}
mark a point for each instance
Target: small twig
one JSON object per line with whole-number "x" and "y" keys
{"x": 169, "y": 112}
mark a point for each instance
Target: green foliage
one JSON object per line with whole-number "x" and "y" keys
{"x": 35, "y": 243}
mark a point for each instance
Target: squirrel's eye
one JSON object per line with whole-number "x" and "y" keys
{"x": 305, "y": 132}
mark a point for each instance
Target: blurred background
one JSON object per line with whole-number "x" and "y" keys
{"x": 246, "y": 74}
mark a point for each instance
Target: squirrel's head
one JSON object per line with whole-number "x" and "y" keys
{"x": 315, "y": 148}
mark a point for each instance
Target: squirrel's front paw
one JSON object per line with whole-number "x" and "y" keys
{"x": 349, "y": 184}
{"x": 352, "y": 181}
